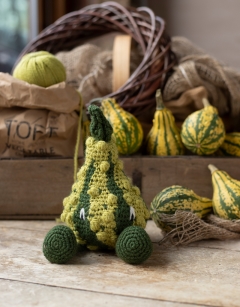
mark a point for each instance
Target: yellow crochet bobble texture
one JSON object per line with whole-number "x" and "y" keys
{"x": 103, "y": 203}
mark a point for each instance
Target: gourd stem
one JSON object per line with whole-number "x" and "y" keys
{"x": 212, "y": 168}
{"x": 159, "y": 100}
{"x": 205, "y": 102}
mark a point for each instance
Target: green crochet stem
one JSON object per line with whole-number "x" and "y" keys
{"x": 60, "y": 244}
{"x": 100, "y": 127}
{"x": 134, "y": 245}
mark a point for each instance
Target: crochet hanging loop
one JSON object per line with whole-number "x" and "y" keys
{"x": 76, "y": 151}
{"x": 100, "y": 127}
{"x": 96, "y": 101}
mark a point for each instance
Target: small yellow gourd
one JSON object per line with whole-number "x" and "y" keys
{"x": 226, "y": 194}
{"x": 164, "y": 138}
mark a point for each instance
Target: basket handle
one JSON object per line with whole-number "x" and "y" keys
{"x": 121, "y": 60}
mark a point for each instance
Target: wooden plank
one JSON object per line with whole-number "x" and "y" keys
{"x": 227, "y": 245}
{"x": 29, "y": 217}
{"x": 28, "y": 225}
{"x": 59, "y": 9}
{"x": 40, "y": 16}
{"x": 14, "y": 293}
{"x": 189, "y": 275}
{"x": 35, "y": 188}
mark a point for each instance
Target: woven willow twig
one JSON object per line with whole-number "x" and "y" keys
{"x": 190, "y": 228}
{"x": 146, "y": 29}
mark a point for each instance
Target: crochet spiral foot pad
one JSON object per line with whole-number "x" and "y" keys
{"x": 60, "y": 244}
{"x": 134, "y": 245}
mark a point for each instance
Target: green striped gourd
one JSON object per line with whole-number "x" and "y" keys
{"x": 103, "y": 202}
{"x": 164, "y": 138}
{"x": 231, "y": 145}
{"x": 176, "y": 197}
{"x": 126, "y": 127}
{"x": 203, "y": 131}
{"x": 226, "y": 194}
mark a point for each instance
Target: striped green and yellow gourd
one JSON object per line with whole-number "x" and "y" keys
{"x": 176, "y": 197}
{"x": 164, "y": 138}
{"x": 226, "y": 194}
{"x": 203, "y": 131}
{"x": 126, "y": 127}
{"x": 231, "y": 145}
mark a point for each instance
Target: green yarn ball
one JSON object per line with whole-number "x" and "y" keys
{"x": 41, "y": 68}
{"x": 134, "y": 245}
{"x": 60, "y": 244}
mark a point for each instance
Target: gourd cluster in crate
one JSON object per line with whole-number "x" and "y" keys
{"x": 202, "y": 132}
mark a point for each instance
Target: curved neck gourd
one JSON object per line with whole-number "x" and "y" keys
{"x": 163, "y": 139}
{"x": 226, "y": 194}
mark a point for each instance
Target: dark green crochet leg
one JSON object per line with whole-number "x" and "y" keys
{"x": 134, "y": 245}
{"x": 60, "y": 244}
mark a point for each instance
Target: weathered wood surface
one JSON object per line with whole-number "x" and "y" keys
{"x": 35, "y": 188}
{"x": 17, "y": 294}
{"x": 205, "y": 273}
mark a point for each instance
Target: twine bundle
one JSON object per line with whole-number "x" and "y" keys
{"x": 188, "y": 228}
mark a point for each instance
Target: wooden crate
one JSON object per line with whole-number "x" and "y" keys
{"x": 35, "y": 188}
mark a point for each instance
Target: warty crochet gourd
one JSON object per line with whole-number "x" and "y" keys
{"x": 104, "y": 210}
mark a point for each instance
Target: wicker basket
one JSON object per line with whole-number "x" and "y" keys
{"x": 146, "y": 29}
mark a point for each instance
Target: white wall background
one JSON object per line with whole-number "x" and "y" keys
{"x": 213, "y": 25}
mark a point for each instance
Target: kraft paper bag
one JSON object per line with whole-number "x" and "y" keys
{"x": 37, "y": 121}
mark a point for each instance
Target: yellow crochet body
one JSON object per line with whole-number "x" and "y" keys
{"x": 103, "y": 201}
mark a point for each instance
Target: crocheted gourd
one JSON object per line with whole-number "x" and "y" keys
{"x": 104, "y": 210}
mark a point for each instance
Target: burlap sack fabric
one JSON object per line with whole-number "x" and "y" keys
{"x": 199, "y": 75}
{"x": 89, "y": 69}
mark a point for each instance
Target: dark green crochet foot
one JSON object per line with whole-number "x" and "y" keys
{"x": 134, "y": 245}
{"x": 60, "y": 244}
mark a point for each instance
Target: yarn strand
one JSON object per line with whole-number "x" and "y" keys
{"x": 76, "y": 152}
